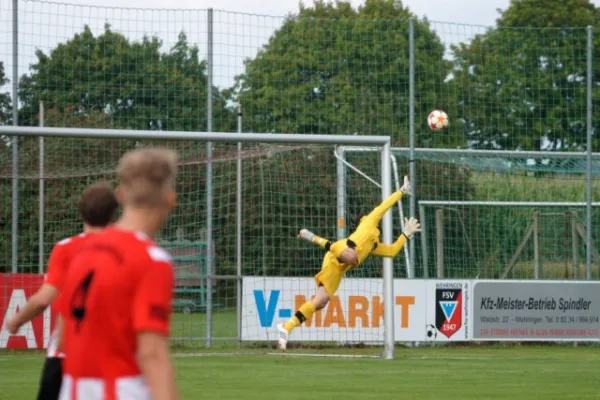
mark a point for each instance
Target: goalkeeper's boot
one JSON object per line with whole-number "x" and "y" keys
{"x": 283, "y": 337}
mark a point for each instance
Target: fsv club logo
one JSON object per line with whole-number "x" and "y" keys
{"x": 448, "y": 311}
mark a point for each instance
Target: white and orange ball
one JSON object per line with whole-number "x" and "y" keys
{"x": 437, "y": 120}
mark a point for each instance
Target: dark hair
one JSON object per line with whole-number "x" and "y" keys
{"x": 97, "y": 205}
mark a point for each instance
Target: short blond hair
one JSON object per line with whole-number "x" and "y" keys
{"x": 146, "y": 175}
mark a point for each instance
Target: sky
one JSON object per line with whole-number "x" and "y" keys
{"x": 466, "y": 11}
{"x": 238, "y": 33}
{"x": 481, "y": 12}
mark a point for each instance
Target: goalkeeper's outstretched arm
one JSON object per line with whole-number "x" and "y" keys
{"x": 411, "y": 226}
{"x": 390, "y": 250}
{"x": 379, "y": 211}
{"x": 311, "y": 237}
{"x": 339, "y": 248}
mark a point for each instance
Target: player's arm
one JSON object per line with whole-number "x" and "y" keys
{"x": 390, "y": 250}
{"x": 411, "y": 226}
{"x": 307, "y": 235}
{"x": 152, "y": 313}
{"x": 34, "y": 307}
{"x": 379, "y": 211}
{"x": 45, "y": 294}
{"x": 155, "y": 363}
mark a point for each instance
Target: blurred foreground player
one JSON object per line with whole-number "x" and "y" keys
{"x": 97, "y": 207}
{"x": 117, "y": 303}
{"x": 347, "y": 254}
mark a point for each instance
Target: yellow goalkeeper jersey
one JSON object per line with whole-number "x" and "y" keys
{"x": 365, "y": 239}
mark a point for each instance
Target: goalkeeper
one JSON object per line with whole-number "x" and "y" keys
{"x": 347, "y": 254}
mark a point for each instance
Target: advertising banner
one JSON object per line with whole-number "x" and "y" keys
{"x": 355, "y": 314}
{"x": 428, "y": 310}
{"x": 536, "y": 310}
{"x": 423, "y": 310}
{"x": 15, "y": 289}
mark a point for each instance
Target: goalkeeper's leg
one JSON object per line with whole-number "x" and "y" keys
{"x": 307, "y": 309}
{"x": 305, "y": 312}
{"x": 328, "y": 281}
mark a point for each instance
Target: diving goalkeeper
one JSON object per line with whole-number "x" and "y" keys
{"x": 347, "y": 254}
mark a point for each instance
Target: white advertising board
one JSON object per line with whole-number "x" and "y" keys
{"x": 423, "y": 310}
{"x": 428, "y": 310}
{"x": 536, "y": 310}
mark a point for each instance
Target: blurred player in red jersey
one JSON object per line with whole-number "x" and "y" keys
{"x": 97, "y": 207}
{"x": 117, "y": 303}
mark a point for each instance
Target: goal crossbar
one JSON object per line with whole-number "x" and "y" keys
{"x": 203, "y": 136}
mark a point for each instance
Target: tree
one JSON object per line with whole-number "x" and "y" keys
{"x": 104, "y": 81}
{"x": 332, "y": 69}
{"x": 524, "y": 88}
{"x": 5, "y": 103}
{"x": 133, "y": 83}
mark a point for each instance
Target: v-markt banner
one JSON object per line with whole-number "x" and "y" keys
{"x": 423, "y": 310}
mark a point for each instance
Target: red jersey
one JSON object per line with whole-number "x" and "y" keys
{"x": 60, "y": 259}
{"x": 120, "y": 284}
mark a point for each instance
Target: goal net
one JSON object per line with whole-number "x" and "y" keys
{"x": 268, "y": 190}
{"x": 503, "y": 214}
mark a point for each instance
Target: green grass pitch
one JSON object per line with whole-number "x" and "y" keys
{"x": 448, "y": 373}
{"x": 460, "y": 372}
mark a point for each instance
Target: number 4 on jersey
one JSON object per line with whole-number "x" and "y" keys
{"x": 79, "y": 298}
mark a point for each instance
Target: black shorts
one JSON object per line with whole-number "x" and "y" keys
{"x": 51, "y": 379}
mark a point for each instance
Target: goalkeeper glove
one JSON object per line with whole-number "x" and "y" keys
{"x": 307, "y": 235}
{"x": 405, "y": 189}
{"x": 411, "y": 226}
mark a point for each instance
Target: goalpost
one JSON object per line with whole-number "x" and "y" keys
{"x": 279, "y": 183}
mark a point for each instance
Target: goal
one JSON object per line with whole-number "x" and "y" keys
{"x": 242, "y": 200}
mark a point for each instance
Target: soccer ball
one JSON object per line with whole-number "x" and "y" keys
{"x": 431, "y": 332}
{"x": 437, "y": 120}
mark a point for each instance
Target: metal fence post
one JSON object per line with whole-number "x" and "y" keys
{"x": 439, "y": 241}
{"x": 588, "y": 208}
{"x": 388, "y": 265}
{"x": 411, "y": 134}
{"x": 209, "y": 178}
{"x": 238, "y": 230}
{"x": 42, "y": 197}
{"x": 14, "y": 142}
{"x": 341, "y": 194}
{"x": 537, "y": 259}
{"x": 425, "y": 255}
{"x": 575, "y": 246}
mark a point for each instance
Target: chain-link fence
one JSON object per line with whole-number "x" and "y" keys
{"x": 329, "y": 70}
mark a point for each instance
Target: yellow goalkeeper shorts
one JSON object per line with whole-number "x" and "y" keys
{"x": 331, "y": 274}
